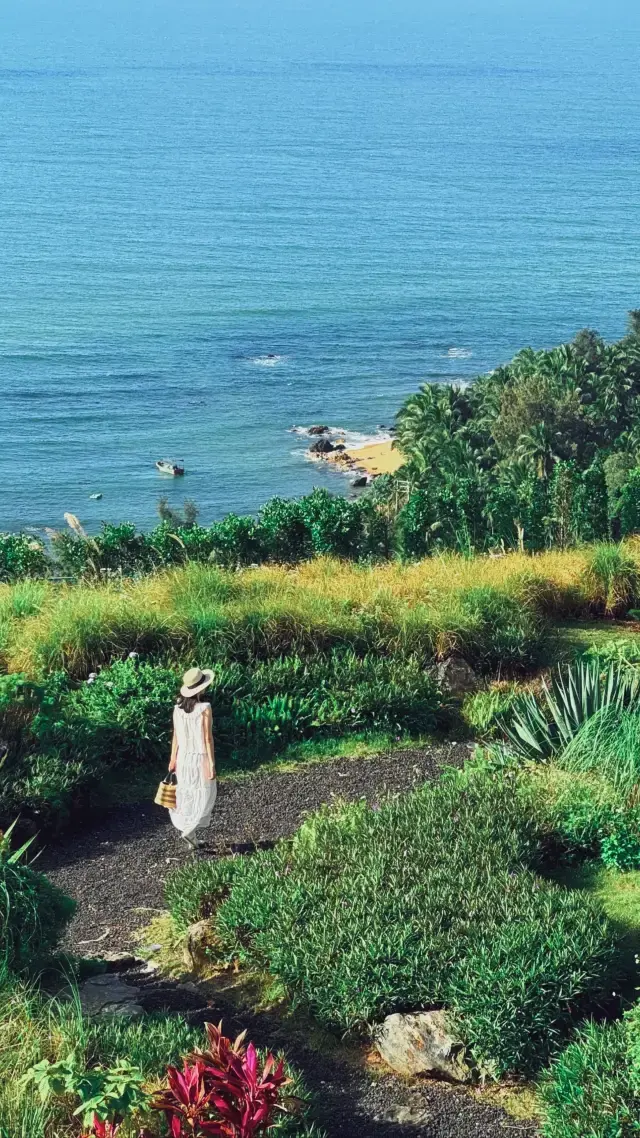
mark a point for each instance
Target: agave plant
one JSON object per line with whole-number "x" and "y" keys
{"x": 538, "y": 727}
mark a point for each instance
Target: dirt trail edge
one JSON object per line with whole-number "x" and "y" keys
{"x": 116, "y": 870}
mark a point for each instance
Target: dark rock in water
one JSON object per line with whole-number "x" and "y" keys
{"x": 340, "y": 446}
{"x": 319, "y": 429}
{"x": 323, "y": 446}
{"x": 362, "y": 481}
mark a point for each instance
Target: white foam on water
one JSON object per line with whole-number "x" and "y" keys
{"x": 267, "y": 361}
{"x": 352, "y": 440}
{"x": 459, "y": 353}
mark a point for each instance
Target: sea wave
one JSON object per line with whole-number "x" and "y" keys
{"x": 351, "y": 439}
{"x": 459, "y": 353}
{"x": 268, "y": 360}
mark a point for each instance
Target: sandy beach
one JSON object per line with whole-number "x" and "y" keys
{"x": 372, "y": 459}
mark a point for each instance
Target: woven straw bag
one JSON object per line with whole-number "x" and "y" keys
{"x": 166, "y": 793}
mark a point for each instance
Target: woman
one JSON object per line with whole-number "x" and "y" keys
{"x": 192, "y": 757}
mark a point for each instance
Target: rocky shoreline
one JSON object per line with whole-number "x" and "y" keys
{"x": 366, "y": 461}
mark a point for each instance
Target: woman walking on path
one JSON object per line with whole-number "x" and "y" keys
{"x": 192, "y": 757}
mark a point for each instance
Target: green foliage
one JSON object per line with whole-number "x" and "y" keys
{"x": 578, "y": 809}
{"x": 195, "y": 891}
{"x": 503, "y": 633}
{"x": 546, "y": 443}
{"x": 21, "y": 556}
{"x": 611, "y": 577}
{"x": 538, "y": 727}
{"x": 608, "y": 744}
{"x": 620, "y": 848}
{"x": 483, "y": 710}
{"x": 628, "y": 505}
{"x": 589, "y": 1091}
{"x": 33, "y": 913}
{"x": 423, "y": 902}
{"x": 106, "y": 1093}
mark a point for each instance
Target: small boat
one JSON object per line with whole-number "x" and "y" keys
{"x": 165, "y": 466}
{"x": 95, "y": 497}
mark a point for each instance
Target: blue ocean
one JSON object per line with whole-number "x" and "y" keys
{"x": 218, "y": 221}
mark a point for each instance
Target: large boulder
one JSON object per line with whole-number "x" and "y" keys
{"x": 318, "y": 429}
{"x": 457, "y": 677}
{"x": 422, "y": 1043}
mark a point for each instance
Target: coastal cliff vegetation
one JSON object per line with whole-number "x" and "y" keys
{"x": 541, "y": 453}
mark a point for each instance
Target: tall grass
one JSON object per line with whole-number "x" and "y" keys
{"x": 201, "y": 611}
{"x": 608, "y": 744}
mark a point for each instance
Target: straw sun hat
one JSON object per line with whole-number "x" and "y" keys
{"x": 194, "y": 681}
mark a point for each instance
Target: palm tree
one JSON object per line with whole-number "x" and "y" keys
{"x": 536, "y": 449}
{"x": 430, "y": 418}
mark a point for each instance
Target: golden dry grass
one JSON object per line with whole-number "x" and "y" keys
{"x": 270, "y": 608}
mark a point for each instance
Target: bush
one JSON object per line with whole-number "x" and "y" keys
{"x": 121, "y": 714}
{"x": 589, "y": 1091}
{"x": 195, "y": 891}
{"x": 611, "y": 579}
{"x": 501, "y": 633}
{"x": 483, "y": 711}
{"x": 424, "y": 902}
{"x": 21, "y": 556}
{"x": 620, "y": 848}
{"x": 33, "y": 913}
{"x": 577, "y": 809}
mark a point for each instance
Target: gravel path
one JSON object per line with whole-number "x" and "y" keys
{"x": 116, "y": 871}
{"x": 118, "y": 867}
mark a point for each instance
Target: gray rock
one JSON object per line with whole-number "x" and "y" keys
{"x": 318, "y": 429}
{"x": 109, "y": 995}
{"x": 361, "y": 481}
{"x": 456, "y": 676}
{"x": 121, "y": 961}
{"x": 323, "y": 446}
{"x": 422, "y": 1043}
{"x": 196, "y": 941}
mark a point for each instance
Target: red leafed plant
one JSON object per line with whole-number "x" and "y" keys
{"x": 222, "y": 1092}
{"x": 102, "y": 1129}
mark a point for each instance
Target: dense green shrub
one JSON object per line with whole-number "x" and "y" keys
{"x": 21, "y": 556}
{"x": 589, "y": 1091}
{"x": 424, "y": 902}
{"x": 578, "y": 809}
{"x": 286, "y": 535}
{"x": 620, "y": 847}
{"x": 33, "y": 913}
{"x": 503, "y": 634}
{"x": 628, "y": 505}
{"x": 119, "y": 715}
{"x": 612, "y": 580}
{"x": 195, "y": 891}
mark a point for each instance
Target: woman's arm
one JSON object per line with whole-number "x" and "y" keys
{"x": 174, "y": 752}
{"x": 207, "y": 729}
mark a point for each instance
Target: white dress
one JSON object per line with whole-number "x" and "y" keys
{"x": 195, "y": 792}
